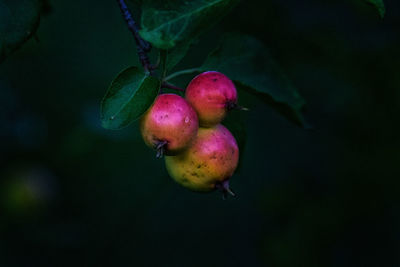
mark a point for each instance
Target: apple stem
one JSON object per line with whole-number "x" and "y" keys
{"x": 230, "y": 192}
{"x": 160, "y": 148}
{"x": 225, "y": 189}
{"x": 171, "y": 86}
{"x": 230, "y": 105}
{"x": 242, "y": 108}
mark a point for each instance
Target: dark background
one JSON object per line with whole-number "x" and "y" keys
{"x": 75, "y": 194}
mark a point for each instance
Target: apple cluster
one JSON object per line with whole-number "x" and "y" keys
{"x": 200, "y": 153}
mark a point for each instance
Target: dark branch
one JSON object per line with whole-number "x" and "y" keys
{"x": 143, "y": 47}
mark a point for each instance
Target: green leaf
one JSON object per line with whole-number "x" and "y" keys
{"x": 380, "y": 6}
{"x": 168, "y": 22}
{"x": 176, "y": 54}
{"x": 129, "y": 96}
{"x": 18, "y": 22}
{"x": 246, "y": 60}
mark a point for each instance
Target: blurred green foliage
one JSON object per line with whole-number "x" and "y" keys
{"x": 380, "y": 6}
{"x": 18, "y": 22}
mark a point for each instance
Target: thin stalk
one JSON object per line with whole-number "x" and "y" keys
{"x": 182, "y": 72}
{"x": 171, "y": 86}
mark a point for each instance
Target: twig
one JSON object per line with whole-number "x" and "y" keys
{"x": 171, "y": 86}
{"x": 143, "y": 47}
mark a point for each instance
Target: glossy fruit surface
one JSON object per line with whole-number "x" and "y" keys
{"x": 170, "y": 123}
{"x": 208, "y": 163}
{"x": 211, "y": 94}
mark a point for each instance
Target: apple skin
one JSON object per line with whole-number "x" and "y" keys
{"x": 211, "y": 94}
{"x": 208, "y": 163}
{"x": 170, "y": 120}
